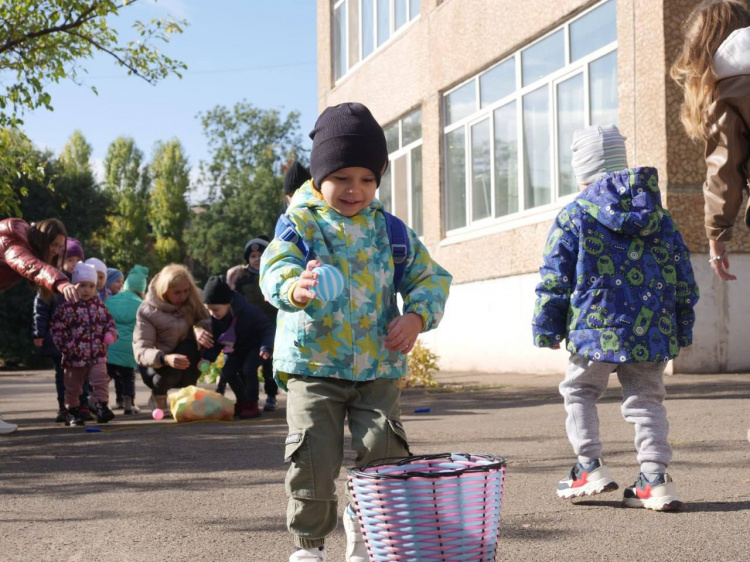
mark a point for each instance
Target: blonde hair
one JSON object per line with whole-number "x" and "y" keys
{"x": 172, "y": 274}
{"x": 706, "y": 29}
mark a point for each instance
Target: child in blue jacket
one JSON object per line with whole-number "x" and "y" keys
{"x": 343, "y": 357}
{"x": 617, "y": 284}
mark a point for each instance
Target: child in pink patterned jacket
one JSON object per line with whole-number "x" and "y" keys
{"x": 82, "y": 331}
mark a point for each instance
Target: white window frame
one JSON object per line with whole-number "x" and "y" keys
{"x": 393, "y": 33}
{"x": 523, "y": 215}
{"x": 396, "y": 154}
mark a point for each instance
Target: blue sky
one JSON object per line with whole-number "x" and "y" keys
{"x": 263, "y": 51}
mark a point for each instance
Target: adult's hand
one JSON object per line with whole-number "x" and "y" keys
{"x": 720, "y": 266}
{"x": 70, "y": 292}
{"x": 204, "y": 337}
{"x": 177, "y": 361}
{"x": 38, "y": 342}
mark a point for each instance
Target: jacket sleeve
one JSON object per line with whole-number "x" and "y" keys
{"x": 40, "y": 324}
{"x": 687, "y": 292}
{"x": 254, "y": 325}
{"x": 727, "y": 154}
{"x": 281, "y": 265}
{"x": 19, "y": 257}
{"x": 425, "y": 285}
{"x": 144, "y": 342}
{"x": 558, "y": 272}
{"x": 57, "y": 329}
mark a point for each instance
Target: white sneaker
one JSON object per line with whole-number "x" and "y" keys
{"x": 308, "y": 555}
{"x": 356, "y": 549}
{"x": 7, "y": 427}
{"x": 589, "y": 480}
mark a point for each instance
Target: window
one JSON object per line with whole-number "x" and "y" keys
{"x": 360, "y": 27}
{"x": 508, "y": 129}
{"x": 400, "y": 188}
{"x": 339, "y": 41}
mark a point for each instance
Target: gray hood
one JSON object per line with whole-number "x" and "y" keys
{"x": 733, "y": 56}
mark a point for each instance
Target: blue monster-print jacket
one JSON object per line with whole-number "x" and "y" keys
{"x": 616, "y": 280}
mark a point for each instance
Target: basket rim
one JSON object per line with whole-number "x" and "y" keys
{"x": 496, "y": 463}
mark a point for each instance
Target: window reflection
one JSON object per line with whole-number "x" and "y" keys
{"x": 536, "y": 144}
{"x": 570, "y": 117}
{"x": 481, "y": 183}
{"x": 506, "y": 160}
{"x": 543, "y": 58}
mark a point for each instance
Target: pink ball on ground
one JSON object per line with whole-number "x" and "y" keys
{"x": 157, "y": 414}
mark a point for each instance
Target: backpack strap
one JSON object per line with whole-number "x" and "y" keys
{"x": 399, "y": 240}
{"x": 286, "y": 231}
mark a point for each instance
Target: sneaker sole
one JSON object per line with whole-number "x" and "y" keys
{"x": 665, "y": 503}
{"x": 589, "y": 489}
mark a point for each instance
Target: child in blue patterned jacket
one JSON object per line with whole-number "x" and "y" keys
{"x": 618, "y": 285}
{"x": 343, "y": 358}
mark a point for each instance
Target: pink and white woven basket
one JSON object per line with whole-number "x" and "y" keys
{"x": 442, "y": 507}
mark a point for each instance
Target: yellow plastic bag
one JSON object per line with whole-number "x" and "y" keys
{"x": 195, "y": 404}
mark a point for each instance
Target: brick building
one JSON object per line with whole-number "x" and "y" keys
{"x": 479, "y": 100}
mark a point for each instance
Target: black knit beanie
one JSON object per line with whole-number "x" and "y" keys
{"x": 295, "y": 178}
{"x": 346, "y": 136}
{"x": 217, "y": 291}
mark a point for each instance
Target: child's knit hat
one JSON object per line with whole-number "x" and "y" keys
{"x": 113, "y": 275}
{"x": 84, "y": 272}
{"x": 136, "y": 280}
{"x": 346, "y": 136}
{"x": 255, "y": 245}
{"x": 73, "y": 248}
{"x": 98, "y": 265}
{"x": 295, "y": 177}
{"x": 217, "y": 291}
{"x": 597, "y": 150}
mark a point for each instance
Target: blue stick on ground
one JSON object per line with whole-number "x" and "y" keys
{"x": 93, "y": 429}
{"x": 421, "y": 410}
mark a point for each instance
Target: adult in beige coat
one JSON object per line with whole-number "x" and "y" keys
{"x": 171, "y": 326}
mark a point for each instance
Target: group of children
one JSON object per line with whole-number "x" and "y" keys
{"x": 617, "y": 286}
{"x": 84, "y": 338}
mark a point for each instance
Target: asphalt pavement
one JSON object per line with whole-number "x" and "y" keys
{"x": 142, "y": 490}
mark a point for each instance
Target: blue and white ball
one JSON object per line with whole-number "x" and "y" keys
{"x": 330, "y": 282}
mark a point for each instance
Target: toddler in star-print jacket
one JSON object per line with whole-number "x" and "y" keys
{"x": 618, "y": 286}
{"x": 342, "y": 358}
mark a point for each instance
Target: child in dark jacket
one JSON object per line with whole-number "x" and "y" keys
{"x": 248, "y": 285}
{"x": 245, "y": 335}
{"x": 44, "y": 308}
{"x": 618, "y": 285}
{"x": 82, "y": 331}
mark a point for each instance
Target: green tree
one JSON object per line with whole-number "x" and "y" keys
{"x": 244, "y": 178}
{"x": 169, "y": 208}
{"x": 76, "y": 154}
{"x": 46, "y": 41}
{"x": 126, "y": 240}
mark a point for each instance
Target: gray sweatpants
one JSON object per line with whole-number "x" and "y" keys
{"x": 642, "y": 405}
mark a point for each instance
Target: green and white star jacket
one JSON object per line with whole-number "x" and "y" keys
{"x": 344, "y": 338}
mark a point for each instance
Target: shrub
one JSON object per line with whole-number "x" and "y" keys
{"x": 423, "y": 364}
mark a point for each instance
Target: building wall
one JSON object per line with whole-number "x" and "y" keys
{"x": 487, "y": 323}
